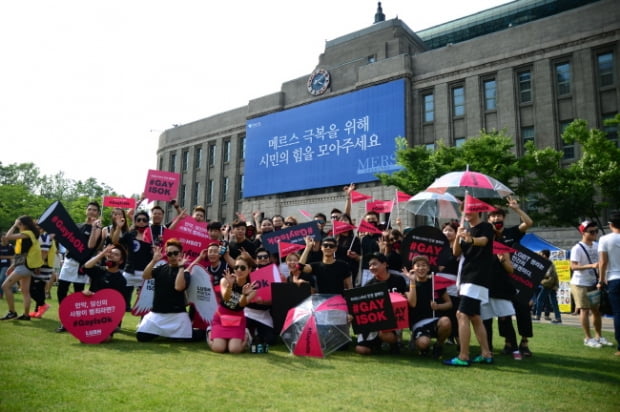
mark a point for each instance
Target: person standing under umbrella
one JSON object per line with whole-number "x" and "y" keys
{"x": 476, "y": 246}
{"x": 509, "y": 236}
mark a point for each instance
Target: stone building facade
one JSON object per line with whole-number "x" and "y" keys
{"x": 529, "y": 67}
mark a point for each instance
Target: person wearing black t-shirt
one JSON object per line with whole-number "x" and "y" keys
{"x": 510, "y": 236}
{"x": 332, "y": 276}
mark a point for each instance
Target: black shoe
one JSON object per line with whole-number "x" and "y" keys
{"x": 24, "y": 317}
{"x": 60, "y": 329}
{"x": 9, "y": 316}
{"x": 525, "y": 351}
{"x": 508, "y": 350}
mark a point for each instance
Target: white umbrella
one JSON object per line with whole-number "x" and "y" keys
{"x": 436, "y": 205}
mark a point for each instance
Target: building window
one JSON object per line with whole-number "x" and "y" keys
{"x": 430, "y": 147}
{"x": 429, "y": 108}
{"x": 372, "y": 58}
{"x": 490, "y": 95}
{"x": 459, "y": 141}
{"x": 524, "y": 82}
{"x": 226, "y": 151}
{"x": 562, "y": 78}
{"x": 527, "y": 134}
{"x": 241, "y": 181}
{"x": 458, "y": 101}
{"x": 211, "y": 158}
{"x": 605, "y": 69}
{"x": 182, "y": 195}
{"x": 184, "y": 160}
{"x": 195, "y": 195}
{"x": 242, "y": 144}
{"x": 568, "y": 149}
{"x": 173, "y": 161}
{"x": 225, "y": 187}
{"x": 210, "y": 192}
{"x": 197, "y": 157}
{"x": 161, "y": 164}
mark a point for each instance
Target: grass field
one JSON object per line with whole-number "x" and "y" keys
{"x": 41, "y": 370}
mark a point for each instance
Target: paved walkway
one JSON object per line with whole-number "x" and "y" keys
{"x": 572, "y": 320}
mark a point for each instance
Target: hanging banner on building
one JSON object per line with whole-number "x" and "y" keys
{"x": 336, "y": 141}
{"x": 161, "y": 185}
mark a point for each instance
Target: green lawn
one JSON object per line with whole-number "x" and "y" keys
{"x": 41, "y": 370}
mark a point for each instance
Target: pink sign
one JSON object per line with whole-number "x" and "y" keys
{"x": 263, "y": 278}
{"x": 191, "y": 226}
{"x": 192, "y": 245}
{"x": 401, "y": 310}
{"x": 92, "y": 319}
{"x": 161, "y": 185}
{"x": 122, "y": 202}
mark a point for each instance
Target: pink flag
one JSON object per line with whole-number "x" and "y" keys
{"x": 305, "y": 213}
{"x": 499, "y": 248}
{"x": 358, "y": 197}
{"x": 380, "y": 206}
{"x": 285, "y": 248}
{"x": 443, "y": 282}
{"x": 366, "y": 227}
{"x": 402, "y": 196}
{"x": 122, "y": 202}
{"x": 341, "y": 227}
{"x": 473, "y": 205}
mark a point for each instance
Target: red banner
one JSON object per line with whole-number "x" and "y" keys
{"x": 161, "y": 185}
{"x": 341, "y": 227}
{"x": 191, "y": 226}
{"x": 192, "y": 245}
{"x": 402, "y": 196}
{"x": 121, "y": 202}
{"x": 366, "y": 227}
{"x": 285, "y": 248}
{"x": 263, "y": 278}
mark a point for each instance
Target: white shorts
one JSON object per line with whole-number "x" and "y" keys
{"x": 168, "y": 325}
{"x": 69, "y": 272}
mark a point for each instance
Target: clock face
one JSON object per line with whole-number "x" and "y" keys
{"x": 318, "y": 82}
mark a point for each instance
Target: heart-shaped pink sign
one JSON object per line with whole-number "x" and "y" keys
{"x": 92, "y": 319}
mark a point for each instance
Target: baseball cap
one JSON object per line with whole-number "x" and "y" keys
{"x": 585, "y": 224}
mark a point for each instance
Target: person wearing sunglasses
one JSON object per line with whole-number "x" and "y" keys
{"x": 138, "y": 243}
{"x": 258, "y": 313}
{"x": 228, "y": 328}
{"x": 332, "y": 276}
{"x": 168, "y": 317}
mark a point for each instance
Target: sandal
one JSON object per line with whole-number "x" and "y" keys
{"x": 456, "y": 361}
{"x": 482, "y": 359}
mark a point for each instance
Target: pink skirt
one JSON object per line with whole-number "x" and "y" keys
{"x": 228, "y": 324}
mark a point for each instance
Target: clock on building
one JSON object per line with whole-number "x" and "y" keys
{"x": 318, "y": 82}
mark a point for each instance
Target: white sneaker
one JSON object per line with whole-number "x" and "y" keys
{"x": 604, "y": 342}
{"x": 593, "y": 343}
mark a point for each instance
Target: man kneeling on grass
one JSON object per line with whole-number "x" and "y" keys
{"x": 425, "y": 325}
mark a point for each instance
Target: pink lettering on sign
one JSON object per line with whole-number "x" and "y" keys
{"x": 161, "y": 185}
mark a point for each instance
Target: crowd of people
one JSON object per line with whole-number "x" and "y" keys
{"x": 131, "y": 250}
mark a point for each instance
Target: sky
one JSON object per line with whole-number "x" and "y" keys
{"x": 87, "y": 87}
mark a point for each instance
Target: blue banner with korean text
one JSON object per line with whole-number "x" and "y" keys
{"x": 336, "y": 141}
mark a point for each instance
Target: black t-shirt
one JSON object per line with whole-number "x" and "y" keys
{"x": 477, "y": 264}
{"x": 166, "y": 299}
{"x": 234, "y": 248}
{"x": 424, "y": 296}
{"x": 330, "y": 277}
{"x": 395, "y": 283}
{"x": 500, "y": 286}
{"x": 511, "y": 235}
{"x": 102, "y": 279}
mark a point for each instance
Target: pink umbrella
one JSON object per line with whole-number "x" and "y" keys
{"x": 317, "y": 326}
{"x": 474, "y": 183}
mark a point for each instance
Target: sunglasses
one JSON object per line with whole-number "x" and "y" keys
{"x": 289, "y": 224}
{"x": 329, "y": 245}
{"x": 173, "y": 253}
{"x": 262, "y": 256}
{"x": 320, "y": 221}
{"x": 142, "y": 219}
{"x": 240, "y": 267}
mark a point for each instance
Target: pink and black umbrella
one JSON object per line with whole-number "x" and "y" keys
{"x": 474, "y": 183}
{"x": 317, "y": 326}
